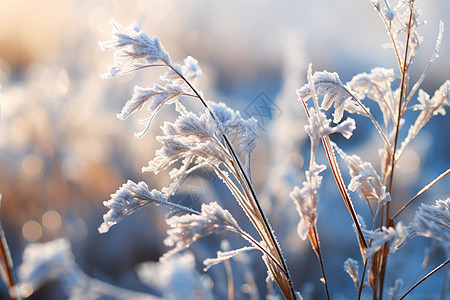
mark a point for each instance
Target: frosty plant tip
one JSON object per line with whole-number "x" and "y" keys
{"x": 220, "y": 139}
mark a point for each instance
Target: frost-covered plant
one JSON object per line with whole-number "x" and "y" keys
{"x": 220, "y": 139}
{"x": 53, "y": 262}
{"x": 199, "y": 141}
{"x": 387, "y": 234}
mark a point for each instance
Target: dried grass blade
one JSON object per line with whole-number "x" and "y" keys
{"x": 423, "y": 190}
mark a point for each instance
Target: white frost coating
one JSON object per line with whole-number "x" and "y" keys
{"x": 223, "y": 256}
{"x": 319, "y": 126}
{"x": 133, "y": 49}
{"x": 186, "y": 229}
{"x": 306, "y": 199}
{"x": 396, "y": 237}
{"x": 128, "y": 198}
{"x": 351, "y": 266}
{"x": 44, "y": 262}
{"x": 433, "y": 221}
{"x": 365, "y": 180}
{"x": 333, "y": 91}
{"x": 175, "y": 278}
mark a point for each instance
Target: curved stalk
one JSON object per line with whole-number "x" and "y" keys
{"x": 423, "y": 190}
{"x": 424, "y": 278}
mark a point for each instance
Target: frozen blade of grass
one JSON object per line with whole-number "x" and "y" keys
{"x": 432, "y": 59}
{"x": 8, "y": 274}
{"x": 423, "y": 190}
{"x": 224, "y": 256}
{"x": 425, "y": 278}
{"x": 132, "y": 196}
{"x": 351, "y": 267}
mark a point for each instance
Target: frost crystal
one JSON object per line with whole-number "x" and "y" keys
{"x": 158, "y": 94}
{"x": 306, "y": 199}
{"x": 175, "y": 278}
{"x": 44, "y": 262}
{"x": 126, "y": 200}
{"x": 365, "y": 180}
{"x": 394, "y": 292}
{"x": 132, "y": 47}
{"x": 429, "y": 108}
{"x": 351, "y": 267}
{"x": 319, "y": 126}
{"x": 395, "y": 237}
{"x": 184, "y": 230}
{"x": 244, "y": 132}
{"x": 190, "y": 71}
{"x": 433, "y": 221}
{"x": 223, "y": 256}
{"x": 333, "y": 90}
{"x": 197, "y": 138}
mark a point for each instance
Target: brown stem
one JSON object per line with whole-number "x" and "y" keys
{"x": 7, "y": 262}
{"x": 423, "y": 190}
{"x": 425, "y": 277}
{"x": 341, "y": 186}
{"x": 314, "y": 239}
{"x": 361, "y": 284}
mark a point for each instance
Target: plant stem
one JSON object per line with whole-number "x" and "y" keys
{"x": 423, "y": 190}
{"x": 425, "y": 277}
{"x": 404, "y": 69}
{"x": 361, "y": 284}
{"x": 7, "y": 262}
{"x": 314, "y": 239}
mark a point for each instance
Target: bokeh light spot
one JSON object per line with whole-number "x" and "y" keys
{"x": 32, "y": 166}
{"x": 51, "y": 220}
{"x": 72, "y": 168}
{"x": 32, "y": 231}
{"x": 246, "y": 288}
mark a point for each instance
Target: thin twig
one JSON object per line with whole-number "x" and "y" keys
{"x": 7, "y": 263}
{"x": 314, "y": 239}
{"x": 423, "y": 190}
{"x": 361, "y": 284}
{"x": 425, "y": 277}
{"x": 341, "y": 186}
{"x": 403, "y": 87}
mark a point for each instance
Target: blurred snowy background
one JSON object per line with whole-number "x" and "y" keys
{"x": 63, "y": 151}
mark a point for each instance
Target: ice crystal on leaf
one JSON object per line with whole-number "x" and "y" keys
{"x": 175, "y": 278}
{"x": 377, "y": 86}
{"x": 351, "y": 267}
{"x": 428, "y": 107}
{"x": 186, "y": 229}
{"x": 133, "y": 49}
{"x": 306, "y": 199}
{"x": 197, "y": 139}
{"x": 188, "y": 137}
{"x": 433, "y": 221}
{"x": 395, "y": 291}
{"x": 223, "y": 256}
{"x": 129, "y": 198}
{"x": 319, "y": 126}
{"x": 45, "y": 262}
{"x": 157, "y": 96}
{"x": 190, "y": 70}
{"x": 396, "y": 237}
{"x": 333, "y": 90}
{"x": 244, "y": 132}
{"x": 365, "y": 180}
